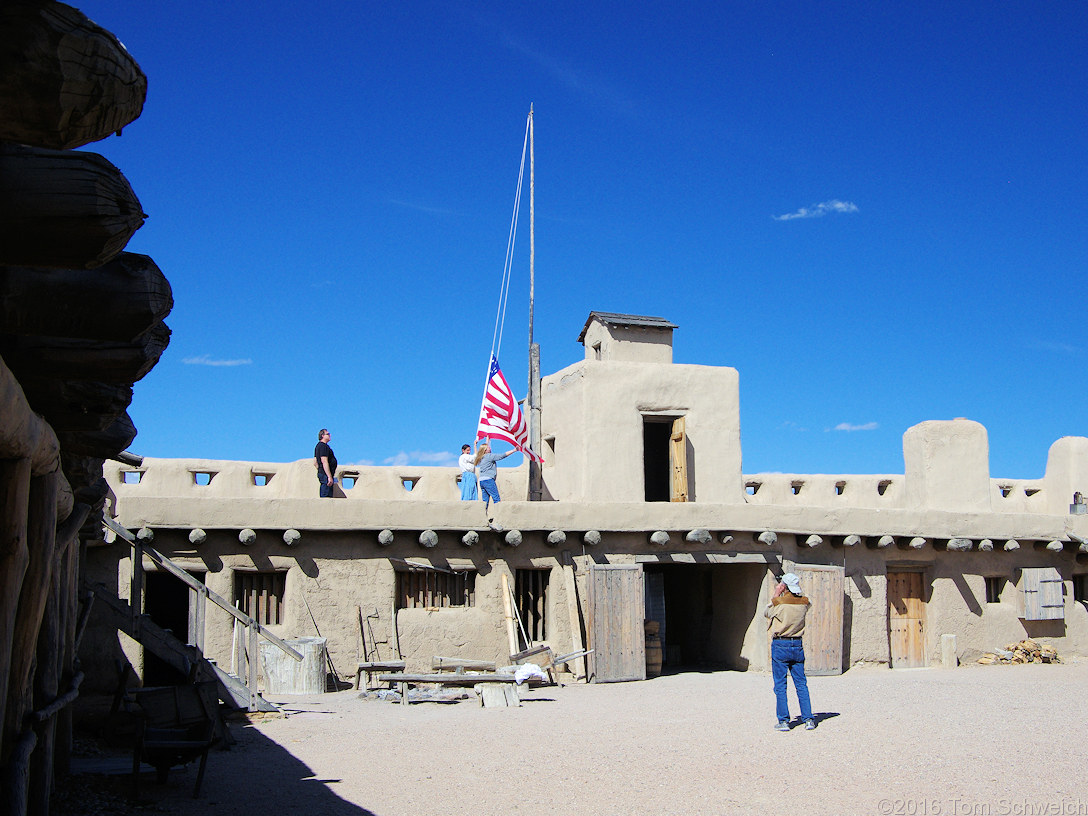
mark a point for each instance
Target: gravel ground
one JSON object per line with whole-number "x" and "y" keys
{"x": 926, "y": 742}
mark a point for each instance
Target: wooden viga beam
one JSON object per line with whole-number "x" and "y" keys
{"x": 64, "y": 80}
{"x": 77, "y": 405}
{"x": 117, "y": 301}
{"x": 24, "y": 434}
{"x": 63, "y": 208}
{"x": 105, "y": 444}
{"x": 112, "y": 361}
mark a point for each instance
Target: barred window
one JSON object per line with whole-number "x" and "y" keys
{"x": 531, "y": 594}
{"x": 435, "y": 588}
{"x": 260, "y": 595}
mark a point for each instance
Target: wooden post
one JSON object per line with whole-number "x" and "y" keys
{"x": 41, "y": 543}
{"x": 136, "y": 586}
{"x": 511, "y": 633}
{"x": 571, "y": 585}
{"x": 14, "y": 558}
{"x": 252, "y": 649}
{"x": 198, "y": 604}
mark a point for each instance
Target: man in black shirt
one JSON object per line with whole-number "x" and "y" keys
{"x": 325, "y": 460}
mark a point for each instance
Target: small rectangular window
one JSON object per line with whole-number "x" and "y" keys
{"x": 260, "y": 595}
{"x": 995, "y": 585}
{"x": 434, "y": 588}
{"x": 1080, "y": 588}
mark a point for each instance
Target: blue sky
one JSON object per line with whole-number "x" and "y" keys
{"x": 874, "y": 211}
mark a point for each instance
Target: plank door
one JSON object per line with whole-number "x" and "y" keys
{"x": 615, "y": 625}
{"x": 907, "y": 619}
{"x": 823, "y": 625}
{"x": 678, "y": 460}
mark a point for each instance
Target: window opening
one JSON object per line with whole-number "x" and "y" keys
{"x": 751, "y": 488}
{"x": 131, "y": 476}
{"x": 409, "y": 482}
{"x": 531, "y": 597}
{"x": 1005, "y": 490}
{"x": 882, "y": 486}
{"x": 202, "y": 477}
{"x": 431, "y": 588}
{"x": 1030, "y": 491}
{"x": 261, "y": 479}
{"x": 260, "y": 594}
{"x": 347, "y": 482}
{"x": 840, "y": 487}
{"x": 1080, "y": 588}
{"x": 995, "y": 585}
{"x": 795, "y": 487}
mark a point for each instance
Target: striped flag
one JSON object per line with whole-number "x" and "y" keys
{"x": 500, "y": 416}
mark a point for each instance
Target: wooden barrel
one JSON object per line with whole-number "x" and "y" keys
{"x": 285, "y": 675}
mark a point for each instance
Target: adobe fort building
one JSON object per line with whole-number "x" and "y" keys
{"x": 646, "y": 514}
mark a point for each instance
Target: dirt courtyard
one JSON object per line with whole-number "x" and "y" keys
{"x": 973, "y": 740}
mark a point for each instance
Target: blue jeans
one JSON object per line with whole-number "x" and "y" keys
{"x": 325, "y": 490}
{"x": 468, "y": 486}
{"x": 788, "y": 656}
{"x": 489, "y": 490}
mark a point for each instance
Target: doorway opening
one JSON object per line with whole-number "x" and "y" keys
{"x": 708, "y": 614}
{"x": 166, "y": 602}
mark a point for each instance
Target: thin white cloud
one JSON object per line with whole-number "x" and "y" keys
{"x": 849, "y": 426}
{"x": 205, "y": 360}
{"x": 422, "y": 458}
{"x": 1050, "y": 345}
{"x": 423, "y": 207}
{"x": 820, "y": 210}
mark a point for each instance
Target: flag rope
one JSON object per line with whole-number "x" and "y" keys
{"x": 504, "y": 288}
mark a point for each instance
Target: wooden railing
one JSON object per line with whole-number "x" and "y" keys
{"x": 141, "y": 546}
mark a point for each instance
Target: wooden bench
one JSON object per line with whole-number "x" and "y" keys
{"x": 372, "y": 667}
{"x": 502, "y": 680}
{"x": 176, "y": 724}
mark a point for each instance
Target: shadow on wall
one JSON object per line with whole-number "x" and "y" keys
{"x": 1044, "y": 628}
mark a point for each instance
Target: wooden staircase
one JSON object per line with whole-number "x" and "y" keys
{"x": 183, "y": 657}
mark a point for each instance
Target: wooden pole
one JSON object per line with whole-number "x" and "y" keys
{"x": 511, "y": 633}
{"x": 536, "y": 490}
{"x": 571, "y": 586}
{"x": 41, "y": 545}
{"x": 14, "y": 558}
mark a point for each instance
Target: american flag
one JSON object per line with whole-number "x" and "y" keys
{"x": 500, "y": 416}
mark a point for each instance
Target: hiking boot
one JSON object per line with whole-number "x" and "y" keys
{"x": 783, "y": 726}
{"x": 810, "y": 725}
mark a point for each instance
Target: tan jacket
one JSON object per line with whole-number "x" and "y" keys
{"x": 786, "y": 615}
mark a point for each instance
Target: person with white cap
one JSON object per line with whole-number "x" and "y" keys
{"x": 786, "y": 621}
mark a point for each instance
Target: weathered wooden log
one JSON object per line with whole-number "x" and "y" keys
{"x": 64, "y": 81}
{"x": 14, "y": 558}
{"x": 23, "y": 433}
{"x": 106, "y": 361}
{"x": 41, "y": 547}
{"x": 108, "y": 443}
{"x": 77, "y": 405}
{"x": 117, "y": 301}
{"x": 63, "y": 208}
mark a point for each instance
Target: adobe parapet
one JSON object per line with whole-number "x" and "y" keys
{"x": 210, "y": 494}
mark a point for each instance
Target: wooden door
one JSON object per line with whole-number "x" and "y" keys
{"x": 678, "y": 460}
{"x": 823, "y": 625}
{"x": 907, "y": 619}
{"x": 615, "y": 625}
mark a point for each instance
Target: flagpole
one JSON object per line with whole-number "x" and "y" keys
{"x": 535, "y": 481}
